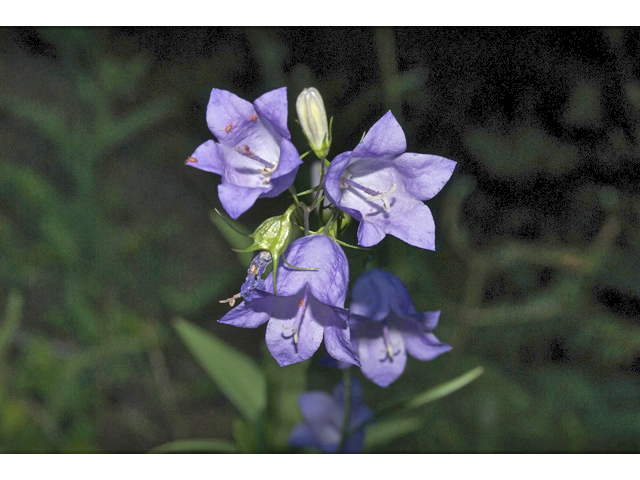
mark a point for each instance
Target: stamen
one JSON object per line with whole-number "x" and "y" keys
{"x": 373, "y": 194}
{"x": 246, "y": 151}
{"x": 382, "y": 195}
{"x": 231, "y": 301}
{"x": 387, "y": 341}
{"x": 301, "y": 308}
{"x": 191, "y": 160}
{"x": 295, "y": 327}
{"x": 388, "y": 351}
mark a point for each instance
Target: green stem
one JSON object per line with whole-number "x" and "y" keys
{"x": 318, "y": 188}
{"x": 346, "y": 379}
{"x": 292, "y": 190}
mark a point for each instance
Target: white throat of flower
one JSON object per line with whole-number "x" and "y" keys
{"x": 373, "y": 195}
{"x": 269, "y": 167}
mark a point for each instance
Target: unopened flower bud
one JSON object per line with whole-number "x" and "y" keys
{"x": 313, "y": 119}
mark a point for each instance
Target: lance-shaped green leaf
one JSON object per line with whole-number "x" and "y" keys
{"x": 239, "y": 378}
{"x": 382, "y": 433}
{"x": 444, "y": 389}
{"x": 196, "y": 445}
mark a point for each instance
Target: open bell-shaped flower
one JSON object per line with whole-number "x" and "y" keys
{"x": 254, "y": 154}
{"x": 323, "y": 420}
{"x": 383, "y": 187}
{"x": 309, "y": 304}
{"x": 385, "y": 327}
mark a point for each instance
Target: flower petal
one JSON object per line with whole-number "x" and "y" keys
{"x": 328, "y": 361}
{"x": 336, "y": 333}
{"x": 287, "y": 168}
{"x": 370, "y": 295}
{"x": 319, "y": 412}
{"x": 355, "y": 442}
{"x": 208, "y": 158}
{"x": 226, "y": 116}
{"x": 376, "y": 363}
{"x": 418, "y": 339}
{"x": 428, "y": 321}
{"x": 314, "y": 405}
{"x": 385, "y": 138}
{"x": 377, "y": 293}
{"x": 251, "y": 314}
{"x": 280, "y": 336}
{"x": 328, "y": 283}
{"x": 425, "y": 175}
{"x": 236, "y": 200}
{"x": 369, "y": 234}
{"x": 302, "y": 437}
{"x": 332, "y": 178}
{"x": 273, "y": 106}
{"x": 413, "y": 224}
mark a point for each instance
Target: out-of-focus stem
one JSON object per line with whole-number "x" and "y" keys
{"x": 346, "y": 378}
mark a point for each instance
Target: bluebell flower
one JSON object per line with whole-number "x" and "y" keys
{"x": 254, "y": 154}
{"x": 385, "y": 327}
{"x": 383, "y": 187}
{"x": 323, "y": 420}
{"x": 308, "y": 307}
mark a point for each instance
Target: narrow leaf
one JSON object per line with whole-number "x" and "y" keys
{"x": 230, "y": 231}
{"x": 445, "y": 389}
{"x": 235, "y": 374}
{"x": 199, "y": 445}
{"x": 382, "y": 433}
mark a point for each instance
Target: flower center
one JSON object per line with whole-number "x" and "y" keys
{"x": 295, "y": 328}
{"x": 373, "y": 194}
{"x": 388, "y": 352}
{"x": 245, "y": 150}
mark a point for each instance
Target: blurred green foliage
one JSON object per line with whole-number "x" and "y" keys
{"x": 105, "y": 237}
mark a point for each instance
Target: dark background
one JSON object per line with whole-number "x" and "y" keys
{"x": 106, "y": 237}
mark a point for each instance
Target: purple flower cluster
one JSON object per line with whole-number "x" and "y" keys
{"x": 379, "y": 184}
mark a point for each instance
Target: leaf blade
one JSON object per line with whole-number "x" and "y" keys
{"x": 239, "y": 378}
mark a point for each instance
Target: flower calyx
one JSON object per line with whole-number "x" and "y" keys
{"x": 273, "y": 235}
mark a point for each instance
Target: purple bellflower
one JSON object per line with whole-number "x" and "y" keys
{"x": 385, "y": 327}
{"x": 309, "y": 304}
{"x": 323, "y": 420}
{"x": 383, "y": 187}
{"x": 254, "y": 154}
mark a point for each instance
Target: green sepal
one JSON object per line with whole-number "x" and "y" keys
{"x": 298, "y": 268}
{"x": 344, "y": 244}
{"x": 323, "y": 151}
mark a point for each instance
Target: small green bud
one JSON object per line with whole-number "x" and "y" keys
{"x": 313, "y": 119}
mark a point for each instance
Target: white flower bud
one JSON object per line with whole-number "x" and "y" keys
{"x": 313, "y": 119}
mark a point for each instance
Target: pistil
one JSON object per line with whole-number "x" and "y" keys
{"x": 387, "y": 341}
{"x": 246, "y": 151}
{"x": 373, "y": 194}
{"x": 295, "y": 328}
